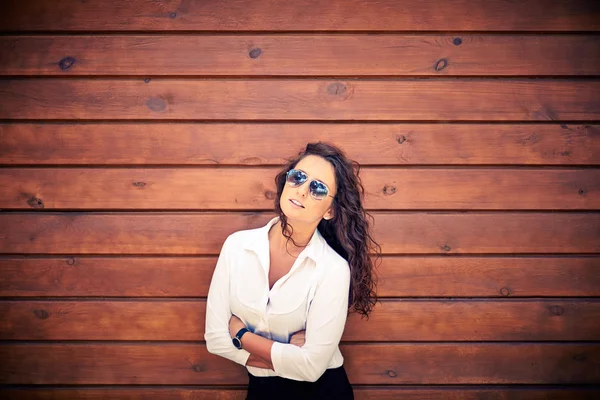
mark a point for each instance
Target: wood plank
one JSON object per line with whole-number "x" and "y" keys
{"x": 304, "y": 15}
{"x": 254, "y": 189}
{"x": 360, "y": 393}
{"x": 127, "y": 393}
{"x": 164, "y": 143}
{"x": 190, "y": 233}
{"x": 414, "y": 276}
{"x": 392, "y": 320}
{"x": 469, "y": 99}
{"x": 412, "y": 363}
{"x": 301, "y": 55}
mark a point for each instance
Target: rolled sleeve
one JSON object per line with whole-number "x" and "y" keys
{"x": 218, "y": 313}
{"x": 324, "y": 328}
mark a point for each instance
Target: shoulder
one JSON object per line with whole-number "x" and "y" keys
{"x": 241, "y": 238}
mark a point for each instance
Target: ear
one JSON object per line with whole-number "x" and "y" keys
{"x": 329, "y": 214}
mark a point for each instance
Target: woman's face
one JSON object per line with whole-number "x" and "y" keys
{"x": 309, "y": 210}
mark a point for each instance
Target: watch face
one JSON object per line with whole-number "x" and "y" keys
{"x": 236, "y": 342}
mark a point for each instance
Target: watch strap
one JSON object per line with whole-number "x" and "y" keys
{"x": 237, "y": 339}
{"x": 241, "y": 333}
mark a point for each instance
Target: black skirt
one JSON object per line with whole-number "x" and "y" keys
{"x": 333, "y": 384}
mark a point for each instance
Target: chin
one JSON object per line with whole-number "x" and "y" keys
{"x": 291, "y": 212}
{"x": 288, "y": 211}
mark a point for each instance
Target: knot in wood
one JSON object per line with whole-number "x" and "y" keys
{"x": 505, "y": 292}
{"x": 457, "y": 41}
{"x": 35, "y": 202}
{"x": 401, "y": 139}
{"x": 440, "y": 65}
{"x": 156, "y": 104}
{"x": 446, "y": 248}
{"x": 389, "y": 190}
{"x": 336, "y": 88}
{"x": 138, "y": 184}
{"x": 557, "y": 310}
{"x": 581, "y": 191}
{"x": 172, "y": 15}
{"x": 197, "y": 368}
{"x": 270, "y": 195}
{"x": 147, "y": 80}
{"x": 70, "y": 261}
{"x": 391, "y": 373}
{"x": 41, "y": 314}
{"x": 66, "y": 63}
{"x": 255, "y": 53}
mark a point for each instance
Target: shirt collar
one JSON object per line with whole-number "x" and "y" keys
{"x": 260, "y": 242}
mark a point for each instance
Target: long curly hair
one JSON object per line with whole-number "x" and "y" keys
{"x": 348, "y": 232}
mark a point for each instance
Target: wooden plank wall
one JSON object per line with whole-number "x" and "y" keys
{"x": 136, "y": 135}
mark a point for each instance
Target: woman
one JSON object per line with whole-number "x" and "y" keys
{"x": 280, "y": 294}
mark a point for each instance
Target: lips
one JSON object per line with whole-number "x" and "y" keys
{"x": 296, "y": 203}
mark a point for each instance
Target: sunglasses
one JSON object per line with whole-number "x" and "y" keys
{"x": 318, "y": 190}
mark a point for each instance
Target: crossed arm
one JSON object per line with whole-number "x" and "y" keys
{"x": 258, "y": 346}
{"x": 324, "y": 326}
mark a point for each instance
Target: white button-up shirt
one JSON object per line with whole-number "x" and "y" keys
{"x": 313, "y": 295}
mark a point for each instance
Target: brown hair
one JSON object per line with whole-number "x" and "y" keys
{"x": 348, "y": 232}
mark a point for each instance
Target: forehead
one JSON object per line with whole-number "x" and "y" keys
{"x": 318, "y": 168}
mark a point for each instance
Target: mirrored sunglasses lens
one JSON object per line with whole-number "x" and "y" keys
{"x": 296, "y": 178}
{"x": 318, "y": 190}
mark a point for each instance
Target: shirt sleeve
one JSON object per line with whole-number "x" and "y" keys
{"x": 218, "y": 312}
{"x": 324, "y": 327}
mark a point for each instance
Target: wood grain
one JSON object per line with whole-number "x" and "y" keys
{"x": 410, "y": 363}
{"x": 303, "y": 15}
{"x": 391, "y": 321}
{"x": 254, "y": 189}
{"x": 301, "y": 55}
{"x": 301, "y": 99}
{"x": 171, "y": 233}
{"x": 388, "y": 392}
{"x": 398, "y": 276}
{"x": 218, "y": 144}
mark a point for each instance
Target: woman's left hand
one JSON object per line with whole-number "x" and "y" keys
{"x": 235, "y": 324}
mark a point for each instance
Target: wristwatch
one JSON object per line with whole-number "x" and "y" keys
{"x": 237, "y": 339}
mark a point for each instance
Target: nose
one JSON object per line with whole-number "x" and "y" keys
{"x": 302, "y": 190}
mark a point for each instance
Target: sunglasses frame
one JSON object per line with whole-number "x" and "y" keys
{"x": 309, "y": 180}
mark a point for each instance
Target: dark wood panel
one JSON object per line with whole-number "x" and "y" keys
{"x": 254, "y": 189}
{"x": 487, "y": 276}
{"x": 204, "y": 233}
{"x": 278, "y": 55}
{"x": 271, "y": 143}
{"x": 302, "y": 99}
{"x": 413, "y": 363}
{"x": 269, "y": 15}
{"x": 414, "y": 276}
{"x": 472, "y": 363}
{"x": 392, "y": 320}
{"x": 134, "y": 393}
{"x": 360, "y": 393}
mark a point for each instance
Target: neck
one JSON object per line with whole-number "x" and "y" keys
{"x": 301, "y": 235}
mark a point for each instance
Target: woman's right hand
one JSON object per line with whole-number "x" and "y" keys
{"x": 298, "y": 338}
